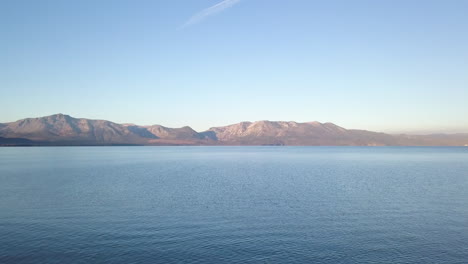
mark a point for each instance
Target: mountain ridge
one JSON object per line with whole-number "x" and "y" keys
{"x": 61, "y": 129}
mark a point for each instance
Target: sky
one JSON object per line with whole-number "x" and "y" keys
{"x": 382, "y": 65}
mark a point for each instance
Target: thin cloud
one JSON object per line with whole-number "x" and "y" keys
{"x": 212, "y": 10}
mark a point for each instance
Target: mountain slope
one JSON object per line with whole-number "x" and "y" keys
{"x": 62, "y": 129}
{"x": 65, "y": 130}
{"x": 183, "y": 133}
{"x": 293, "y": 133}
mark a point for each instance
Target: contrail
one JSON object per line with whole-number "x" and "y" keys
{"x": 209, "y": 12}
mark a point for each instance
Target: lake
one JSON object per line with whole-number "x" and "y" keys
{"x": 234, "y": 205}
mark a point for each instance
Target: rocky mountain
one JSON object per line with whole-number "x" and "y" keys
{"x": 293, "y": 133}
{"x": 65, "y": 130}
{"x": 183, "y": 133}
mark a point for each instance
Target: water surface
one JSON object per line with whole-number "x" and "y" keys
{"x": 233, "y": 205}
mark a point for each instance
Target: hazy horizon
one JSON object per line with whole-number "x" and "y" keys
{"x": 389, "y": 66}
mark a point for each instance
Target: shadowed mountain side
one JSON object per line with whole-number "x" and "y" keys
{"x": 65, "y": 130}
{"x": 141, "y": 131}
{"x": 15, "y": 142}
{"x": 183, "y": 133}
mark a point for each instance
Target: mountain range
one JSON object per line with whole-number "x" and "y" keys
{"x": 63, "y": 130}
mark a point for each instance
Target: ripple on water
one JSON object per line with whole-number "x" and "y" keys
{"x": 241, "y": 205}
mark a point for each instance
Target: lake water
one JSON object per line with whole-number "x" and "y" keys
{"x": 234, "y": 205}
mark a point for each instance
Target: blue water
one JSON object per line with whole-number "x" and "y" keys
{"x": 233, "y": 205}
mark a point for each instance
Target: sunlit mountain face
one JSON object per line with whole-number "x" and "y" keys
{"x": 62, "y": 129}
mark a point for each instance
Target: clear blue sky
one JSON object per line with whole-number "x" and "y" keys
{"x": 379, "y": 65}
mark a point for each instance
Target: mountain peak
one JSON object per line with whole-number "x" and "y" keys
{"x": 315, "y": 123}
{"x": 59, "y": 115}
